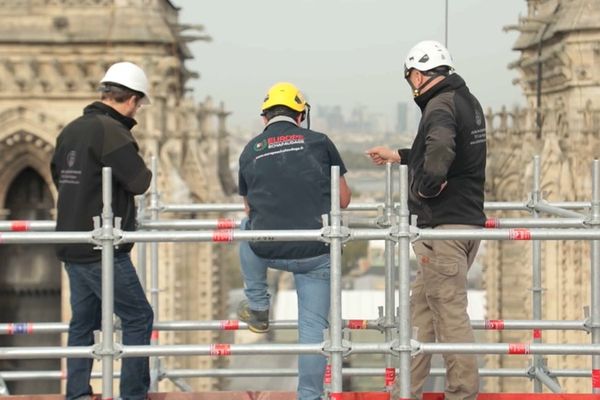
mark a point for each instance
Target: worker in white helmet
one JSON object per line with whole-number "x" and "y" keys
{"x": 446, "y": 167}
{"x": 101, "y": 137}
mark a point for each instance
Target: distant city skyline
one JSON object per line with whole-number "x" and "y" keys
{"x": 346, "y": 53}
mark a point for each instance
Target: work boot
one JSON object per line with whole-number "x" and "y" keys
{"x": 258, "y": 321}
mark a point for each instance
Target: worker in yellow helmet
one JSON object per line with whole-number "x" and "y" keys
{"x": 284, "y": 178}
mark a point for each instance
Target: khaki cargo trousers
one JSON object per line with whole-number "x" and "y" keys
{"x": 439, "y": 312}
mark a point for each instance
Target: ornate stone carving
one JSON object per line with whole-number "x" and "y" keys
{"x": 50, "y": 66}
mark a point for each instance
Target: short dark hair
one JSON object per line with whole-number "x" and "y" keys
{"x": 276, "y": 111}
{"x": 117, "y": 93}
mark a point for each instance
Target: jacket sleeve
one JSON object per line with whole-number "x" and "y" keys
{"x": 404, "y": 155}
{"x": 121, "y": 153}
{"x": 440, "y": 148}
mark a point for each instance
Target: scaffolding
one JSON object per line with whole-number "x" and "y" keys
{"x": 576, "y": 221}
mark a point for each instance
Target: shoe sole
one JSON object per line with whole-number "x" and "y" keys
{"x": 255, "y": 330}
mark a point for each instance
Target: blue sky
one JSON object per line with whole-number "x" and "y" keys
{"x": 345, "y": 52}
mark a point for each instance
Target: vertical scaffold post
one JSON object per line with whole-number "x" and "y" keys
{"x": 107, "y": 285}
{"x": 141, "y": 247}
{"x": 335, "y": 328}
{"x": 404, "y": 286}
{"x": 536, "y": 274}
{"x": 154, "y": 204}
{"x": 390, "y": 281}
{"x": 595, "y": 272}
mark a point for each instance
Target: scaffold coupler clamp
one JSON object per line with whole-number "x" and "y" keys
{"x": 590, "y": 220}
{"x": 588, "y": 325}
{"x": 380, "y": 324}
{"x": 532, "y": 201}
{"x": 345, "y": 349}
{"x": 97, "y": 233}
{"x": 327, "y": 235}
{"x": 415, "y": 348}
{"x": 98, "y": 352}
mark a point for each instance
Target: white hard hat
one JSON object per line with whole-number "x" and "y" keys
{"x": 427, "y": 55}
{"x": 129, "y": 75}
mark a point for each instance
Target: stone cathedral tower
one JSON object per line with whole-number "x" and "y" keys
{"x": 52, "y": 55}
{"x": 563, "y": 37}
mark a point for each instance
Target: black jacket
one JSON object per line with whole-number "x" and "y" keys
{"x": 100, "y": 138}
{"x": 285, "y": 176}
{"x": 450, "y": 146}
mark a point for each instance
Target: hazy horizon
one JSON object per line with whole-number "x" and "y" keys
{"x": 345, "y": 52}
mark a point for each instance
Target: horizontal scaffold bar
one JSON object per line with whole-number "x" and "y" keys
{"x": 282, "y": 372}
{"x": 32, "y": 328}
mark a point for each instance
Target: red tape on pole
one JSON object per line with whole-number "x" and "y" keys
{"x": 230, "y": 325}
{"x": 518, "y": 348}
{"x": 154, "y": 335}
{"x": 537, "y": 333}
{"x": 519, "y": 234}
{"x": 596, "y": 378}
{"x": 19, "y": 226}
{"x": 335, "y": 396}
{"x": 390, "y": 376}
{"x": 357, "y": 324}
{"x": 225, "y": 223}
{"x": 494, "y": 324}
{"x": 492, "y": 223}
{"x": 222, "y": 236}
{"x": 220, "y": 349}
{"x": 327, "y": 376}
{"x": 20, "y": 329}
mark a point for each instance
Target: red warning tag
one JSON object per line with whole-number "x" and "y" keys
{"x": 519, "y": 234}
{"x": 596, "y": 378}
{"x": 154, "y": 335}
{"x": 20, "y": 329}
{"x": 494, "y": 324}
{"x": 230, "y": 325}
{"x": 220, "y": 349}
{"x": 225, "y": 223}
{"x": 357, "y": 324}
{"x": 327, "y": 376}
{"x": 518, "y": 348}
{"x": 492, "y": 223}
{"x": 537, "y": 333}
{"x": 390, "y": 376}
{"x": 19, "y": 226}
{"x": 222, "y": 236}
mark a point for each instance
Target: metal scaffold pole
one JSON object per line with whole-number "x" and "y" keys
{"x": 141, "y": 247}
{"x": 536, "y": 275}
{"x": 107, "y": 240}
{"x": 335, "y": 327}
{"x": 595, "y": 274}
{"x": 404, "y": 324}
{"x": 390, "y": 280}
{"x": 154, "y": 289}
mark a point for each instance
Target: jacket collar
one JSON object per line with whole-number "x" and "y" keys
{"x": 280, "y": 118}
{"x": 99, "y": 107}
{"x": 452, "y": 82}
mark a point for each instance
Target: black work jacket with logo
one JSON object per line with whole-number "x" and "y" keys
{"x": 450, "y": 146}
{"x": 100, "y": 138}
{"x": 285, "y": 176}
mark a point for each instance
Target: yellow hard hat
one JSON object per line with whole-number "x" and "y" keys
{"x": 284, "y": 94}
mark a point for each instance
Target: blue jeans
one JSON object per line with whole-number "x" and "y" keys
{"x": 311, "y": 276}
{"x": 131, "y": 305}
